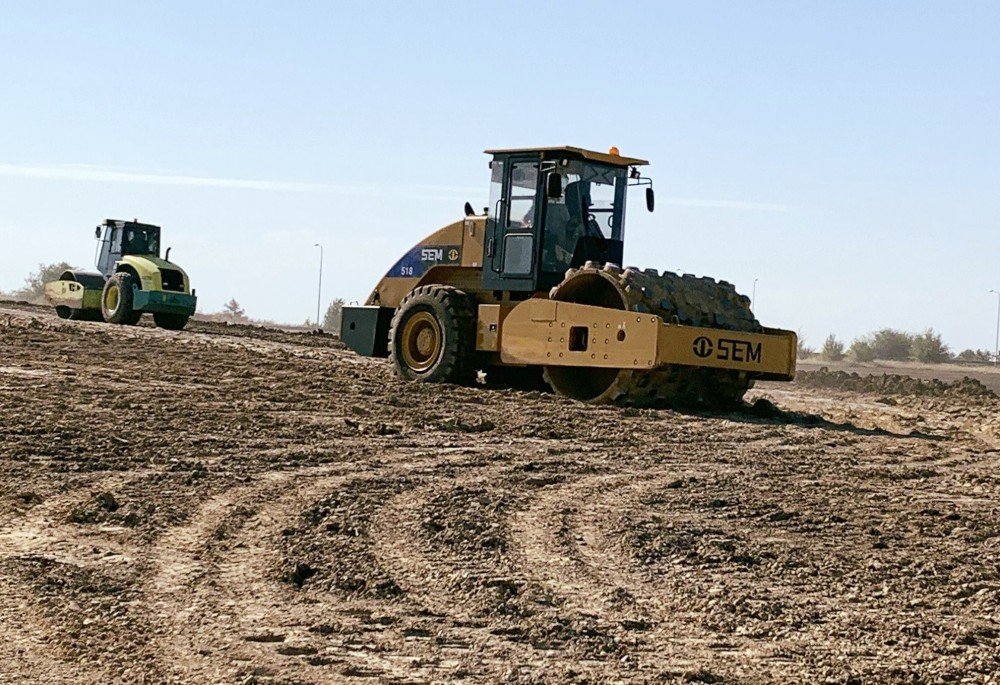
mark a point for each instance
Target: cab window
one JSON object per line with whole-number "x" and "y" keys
{"x": 521, "y": 204}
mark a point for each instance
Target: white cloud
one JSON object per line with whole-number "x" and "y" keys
{"x": 74, "y": 172}
{"x": 105, "y": 175}
{"x": 80, "y": 172}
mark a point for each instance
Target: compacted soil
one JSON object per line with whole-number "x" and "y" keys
{"x": 245, "y": 505}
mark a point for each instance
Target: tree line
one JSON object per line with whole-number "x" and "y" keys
{"x": 233, "y": 312}
{"x": 33, "y": 290}
{"x": 890, "y": 344}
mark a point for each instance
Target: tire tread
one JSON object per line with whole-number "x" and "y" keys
{"x": 458, "y": 358}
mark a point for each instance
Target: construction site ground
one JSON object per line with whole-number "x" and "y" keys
{"x": 987, "y": 374}
{"x": 246, "y": 505}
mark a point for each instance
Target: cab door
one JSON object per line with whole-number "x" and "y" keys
{"x": 110, "y": 249}
{"x": 514, "y": 227}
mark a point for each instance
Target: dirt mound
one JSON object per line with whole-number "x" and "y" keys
{"x": 893, "y": 384}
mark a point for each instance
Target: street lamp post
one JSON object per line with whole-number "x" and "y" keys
{"x": 996, "y": 347}
{"x": 753, "y": 297}
{"x": 319, "y": 291}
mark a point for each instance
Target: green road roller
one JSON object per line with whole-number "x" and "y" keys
{"x": 131, "y": 280}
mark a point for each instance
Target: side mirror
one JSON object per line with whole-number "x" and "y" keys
{"x": 554, "y": 186}
{"x": 97, "y": 233}
{"x": 650, "y": 199}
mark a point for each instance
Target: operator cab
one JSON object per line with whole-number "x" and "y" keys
{"x": 552, "y": 209}
{"x": 120, "y": 238}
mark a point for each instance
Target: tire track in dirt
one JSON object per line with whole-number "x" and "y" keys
{"x": 27, "y": 654}
{"x": 307, "y": 647}
{"x": 87, "y": 616}
{"x": 436, "y": 583}
{"x": 45, "y": 528}
{"x": 449, "y": 544}
{"x": 180, "y": 565}
{"x": 45, "y": 547}
{"x": 45, "y": 532}
{"x": 672, "y": 590}
{"x": 361, "y": 610}
{"x": 220, "y": 591}
{"x": 444, "y": 541}
{"x": 582, "y": 533}
{"x": 562, "y": 542}
{"x": 399, "y": 541}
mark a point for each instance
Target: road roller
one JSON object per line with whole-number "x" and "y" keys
{"x": 531, "y": 293}
{"x": 131, "y": 280}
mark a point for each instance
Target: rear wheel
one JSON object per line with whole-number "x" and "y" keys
{"x": 116, "y": 300}
{"x": 171, "y": 322}
{"x": 433, "y": 336}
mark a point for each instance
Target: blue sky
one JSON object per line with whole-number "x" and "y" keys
{"x": 845, "y": 154}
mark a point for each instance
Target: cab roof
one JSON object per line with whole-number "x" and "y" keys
{"x": 550, "y": 153}
{"x": 124, "y": 222}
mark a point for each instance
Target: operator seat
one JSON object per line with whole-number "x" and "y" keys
{"x": 556, "y": 221}
{"x": 576, "y": 194}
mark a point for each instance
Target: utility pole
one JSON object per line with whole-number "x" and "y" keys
{"x": 996, "y": 348}
{"x": 753, "y": 297}
{"x": 319, "y": 291}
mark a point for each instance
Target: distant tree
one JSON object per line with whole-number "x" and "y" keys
{"x": 331, "y": 320}
{"x": 891, "y": 344}
{"x": 233, "y": 311}
{"x": 33, "y": 289}
{"x": 982, "y": 356}
{"x": 803, "y": 351}
{"x": 833, "y": 349}
{"x": 861, "y": 350}
{"x": 928, "y": 347}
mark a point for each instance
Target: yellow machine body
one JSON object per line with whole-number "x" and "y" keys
{"x": 150, "y": 272}
{"x": 549, "y": 333}
{"x": 451, "y": 255}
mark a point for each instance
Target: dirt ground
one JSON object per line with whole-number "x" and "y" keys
{"x": 244, "y": 505}
{"x": 984, "y": 373}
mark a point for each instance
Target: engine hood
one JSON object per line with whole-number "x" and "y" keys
{"x": 149, "y": 270}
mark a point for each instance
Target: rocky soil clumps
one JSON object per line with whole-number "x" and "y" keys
{"x": 893, "y": 384}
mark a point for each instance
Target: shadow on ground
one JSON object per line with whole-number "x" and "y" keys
{"x": 765, "y": 412}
